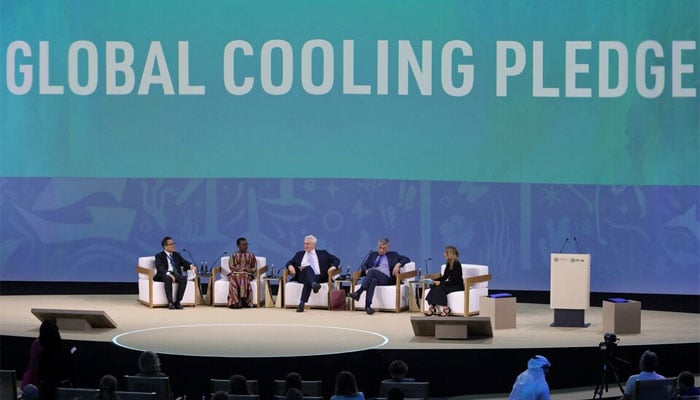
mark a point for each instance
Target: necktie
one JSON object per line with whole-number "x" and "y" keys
{"x": 172, "y": 262}
{"x": 377, "y": 261}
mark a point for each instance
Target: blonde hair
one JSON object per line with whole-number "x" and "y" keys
{"x": 456, "y": 253}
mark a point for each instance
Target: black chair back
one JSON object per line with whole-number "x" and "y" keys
{"x": 123, "y": 395}
{"x": 418, "y": 390}
{"x": 224, "y": 385}
{"x": 75, "y": 393}
{"x": 243, "y": 397}
{"x": 160, "y": 385}
{"x": 656, "y": 389}
{"x": 89, "y": 394}
{"x": 8, "y": 384}
{"x": 308, "y": 388}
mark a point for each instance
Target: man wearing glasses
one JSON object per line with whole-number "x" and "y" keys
{"x": 171, "y": 268}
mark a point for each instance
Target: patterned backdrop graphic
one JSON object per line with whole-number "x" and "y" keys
{"x": 642, "y": 239}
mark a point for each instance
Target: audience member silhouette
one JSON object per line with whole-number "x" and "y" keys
{"x": 292, "y": 381}
{"x": 107, "y": 389}
{"x": 647, "y": 367}
{"x": 149, "y": 364}
{"x": 685, "y": 384}
{"x": 397, "y": 371}
{"x": 239, "y": 385}
{"x": 294, "y": 394}
{"x": 346, "y": 387}
{"x": 220, "y": 395}
{"x": 50, "y": 363}
{"x": 394, "y": 393}
{"x": 531, "y": 383}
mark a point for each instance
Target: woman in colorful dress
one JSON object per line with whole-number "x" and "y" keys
{"x": 243, "y": 267}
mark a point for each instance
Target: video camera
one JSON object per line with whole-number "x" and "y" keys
{"x": 609, "y": 344}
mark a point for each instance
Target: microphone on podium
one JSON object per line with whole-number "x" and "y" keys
{"x": 578, "y": 248}
{"x": 564, "y": 244}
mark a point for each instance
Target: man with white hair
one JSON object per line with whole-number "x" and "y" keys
{"x": 531, "y": 383}
{"x": 310, "y": 267}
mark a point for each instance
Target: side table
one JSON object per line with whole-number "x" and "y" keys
{"x": 501, "y": 310}
{"x": 414, "y": 299}
{"x": 271, "y": 302}
{"x": 624, "y": 317}
{"x": 202, "y": 296}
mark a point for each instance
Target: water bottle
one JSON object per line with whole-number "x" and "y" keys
{"x": 347, "y": 272}
{"x": 206, "y": 268}
{"x": 420, "y": 273}
{"x": 201, "y": 267}
{"x": 272, "y": 271}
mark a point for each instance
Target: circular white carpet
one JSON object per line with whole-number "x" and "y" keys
{"x": 250, "y": 340}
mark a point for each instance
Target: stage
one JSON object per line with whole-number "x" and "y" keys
{"x": 264, "y": 343}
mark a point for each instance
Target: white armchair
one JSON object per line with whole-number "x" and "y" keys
{"x": 389, "y": 297}
{"x": 220, "y": 282}
{"x": 291, "y": 291}
{"x": 152, "y": 293}
{"x": 476, "y": 284}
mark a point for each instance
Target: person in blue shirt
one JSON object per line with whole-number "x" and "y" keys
{"x": 346, "y": 387}
{"x": 647, "y": 366}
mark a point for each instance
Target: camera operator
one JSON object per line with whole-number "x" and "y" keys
{"x": 647, "y": 365}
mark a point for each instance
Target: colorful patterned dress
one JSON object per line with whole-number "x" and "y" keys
{"x": 243, "y": 268}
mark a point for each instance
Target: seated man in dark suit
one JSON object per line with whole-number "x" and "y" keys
{"x": 380, "y": 268}
{"x": 310, "y": 267}
{"x": 170, "y": 268}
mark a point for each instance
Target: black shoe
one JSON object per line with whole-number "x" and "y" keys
{"x": 316, "y": 287}
{"x": 369, "y": 310}
{"x": 178, "y": 306}
{"x": 171, "y": 306}
{"x": 300, "y": 308}
{"x": 355, "y": 296}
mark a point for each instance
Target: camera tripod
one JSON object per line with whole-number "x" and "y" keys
{"x": 608, "y": 367}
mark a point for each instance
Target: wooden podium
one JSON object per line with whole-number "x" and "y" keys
{"x": 570, "y": 288}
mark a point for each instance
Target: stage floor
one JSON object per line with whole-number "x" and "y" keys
{"x": 267, "y": 332}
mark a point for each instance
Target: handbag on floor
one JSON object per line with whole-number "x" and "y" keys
{"x": 338, "y": 302}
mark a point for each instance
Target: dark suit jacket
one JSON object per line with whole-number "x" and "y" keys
{"x": 325, "y": 261}
{"x": 162, "y": 263}
{"x": 392, "y": 258}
